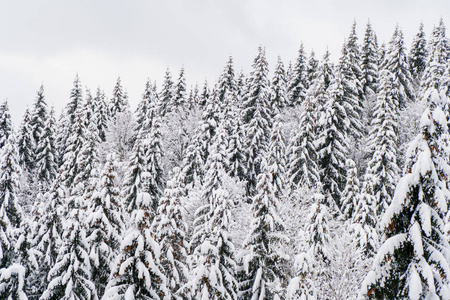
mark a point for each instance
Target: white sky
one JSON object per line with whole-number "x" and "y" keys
{"x": 45, "y": 41}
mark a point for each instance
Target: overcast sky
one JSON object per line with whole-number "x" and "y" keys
{"x": 44, "y": 41}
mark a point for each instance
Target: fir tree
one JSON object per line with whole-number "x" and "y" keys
{"x": 101, "y": 113}
{"x": 350, "y": 195}
{"x": 179, "y": 99}
{"x": 6, "y": 129}
{"x": 364, "y": 222}
{"x": 132, "y": 182}
{"x": 298, "y": 79}
{"x": 146, "y": 109}
{"x": 71, "y": 167}
{"x": 332, "y": 143}
{"x": 70, "y": 276}
{"x": 382, "y": 167}
{"x": 119, "y": 101}
{"x": 257, "y": 120}
{"x": 311, "y": 69}
{"x": 276, "y": 154}
{"x": 137, "y": 272}
{"x": 170, "y": 230}
{"x": 418, "y": 55}
{"x": 261, "y": 276}
{"x": 68, "y": 118}
{"x": 39, "y": 117}
{"x": 303, "y": 169}
{"x": 369, "y": 63}
{"x": 49, "y": 230}
{"x": 105, "y": 225}
{"x": 412, "y": 262}
{"x": 167, "y": 94}
{"x": 438, "y": 58}
{"x": 301, "y": 286}
{"x": 25, "y": 143}
{"x": 278, "y": 88}
{"x": 350, "y": 86}
{"x": 46, "y": 154}
{"x": 396, "y": 63}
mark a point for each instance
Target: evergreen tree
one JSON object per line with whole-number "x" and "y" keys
{"x": 170, "y": 230}
{"x": 418, "y": 55}
{"x": 303, "y": 169}
{"x": 12, "y": 274}
{"x": 49, "y": 230}
{"x": 179, "y": 99}
{"x": 132, "y": 182}
{"x": 87, "y": 162}
{"x": 311, "y": 69}
{"x": 25, "y": 143}
{"x": 101, "y": 113}
{"x": 204, "y": 96}
{"x": 137, "y": 272}
{"x": 411, "y": 263}
{"x": 261, "y": 276}
{"x": 364, "y": 220}
{"x": 167, "y": 94}
{"x": 119, "y": 101}
{"x": 396, "y": 63}
{"x": 105, "y": 224}
{"x": 350, "y": 195}
{"x": 257, "y": 120}
{"x": 154, "y": 156}
{"x": 146, "y": 109}
{"x": 6, "y": 129}
{"x": 45, "y": 163}
{"x": 369, "y": 63}
{"x": 438, "y": 58}
{"x": 213, "y": 274}
{"x": 298, "y": 79}
{"x": 301, "y": 287}
{"x": 382, "y": 167}
{"x": 278, "y": 88}
{"x": 70, "y": 276}
{"x": 276, "y": 154}
{"x": 77, "y": 140}
{"x": 39, "y": 117}
{"x": 236, "y": 153}
{"x": 332, "y": 145}
{"x": 67, "y": 125}
{"x": 350, "y": 86}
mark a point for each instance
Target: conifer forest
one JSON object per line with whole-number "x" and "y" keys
{"x": 306, "y": 180}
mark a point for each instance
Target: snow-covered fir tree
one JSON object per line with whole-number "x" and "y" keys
{"x": 311, "y": 69}
{"x": 137, "y": 272}
{"x": 438, "y": 58}
{"x": 180, "y": 90}
{"x": 66, "y": 126}
{"x": 382, "y": 167}
{"x": 25, "y": 143}
{"x": 39, "y": 116}
{"x": 260, "y": 274}
{"x": 396, "y": 62}
{"x": 105, "y": 225}
{"x": 301, "y": 287}
{"x": 369, "y": 63}
{"x": 170, "y": 231}
{"x": 418, "y": 55}
{"x": 350, "y": 195}
{"x": 46, "y": 153}
{"x": 411, "y": 263}
{"x": 101, "y": 113}
{"x": 167, "y": 94}
{"x": 6, "y": 129}
{"x": 119, "y": 100}
{"x": 278, "y": 88}
{"x": 70, "y": 276}
{"x": 298, "y": 79}
{"x": 332, "y": 142}
{"x": 256, "y": 119}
